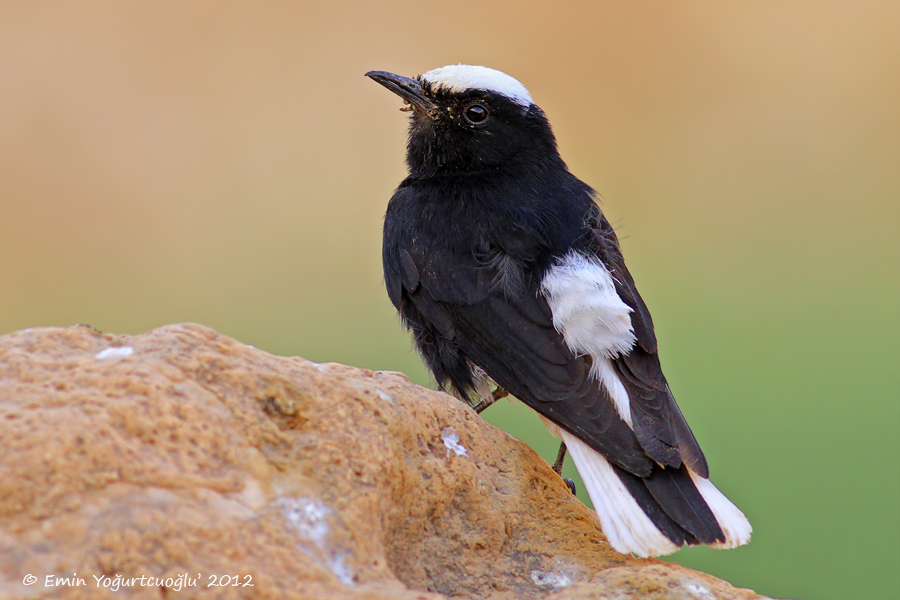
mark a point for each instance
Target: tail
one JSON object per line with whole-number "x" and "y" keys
{"x": 658, "y": 514}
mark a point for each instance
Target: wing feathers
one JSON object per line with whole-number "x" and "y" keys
{"x": 408, "y": 271}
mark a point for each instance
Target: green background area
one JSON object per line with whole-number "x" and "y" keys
{"x": 228, "y": 164}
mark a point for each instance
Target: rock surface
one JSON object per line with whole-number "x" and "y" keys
{"x": 181, "y": 451}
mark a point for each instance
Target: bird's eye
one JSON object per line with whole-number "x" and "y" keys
{"x": 476, "y": 114}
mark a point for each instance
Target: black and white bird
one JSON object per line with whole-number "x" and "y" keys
{"x": 506, "y": 272}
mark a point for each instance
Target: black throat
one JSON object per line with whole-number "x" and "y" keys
{"x": 440, "y": 147}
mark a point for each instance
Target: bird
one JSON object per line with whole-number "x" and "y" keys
{"x": 510, "y": 279}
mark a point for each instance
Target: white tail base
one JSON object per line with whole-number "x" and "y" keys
{"x": 625, "y": 524}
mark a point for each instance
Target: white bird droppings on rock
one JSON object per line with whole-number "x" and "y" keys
{"x": 697, "y": 590}
{"x": 308, "y": 517}
{"x": 451, "y": 440}
{"x": 118, "y": 352}
{"x": 554, "y": 580}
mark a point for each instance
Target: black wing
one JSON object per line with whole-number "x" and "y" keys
{"x": 463, "y": 306}
{"x": 658, "y": 423}
{"x": 491, "y": 313}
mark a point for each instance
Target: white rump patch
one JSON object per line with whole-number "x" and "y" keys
{"x": 459, "y": 78}
{"x": 586, "y": 308}
{"x": 118, "y": 352}
{"x": 592, "y": 319}
{"x": 734, "y": 524}
{"x": 624, "y": 522}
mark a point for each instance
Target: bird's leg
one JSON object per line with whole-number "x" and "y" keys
{"x": 558, "y": 467}
{"x": 560, "y": 459}
{"x": 495, "y": 395}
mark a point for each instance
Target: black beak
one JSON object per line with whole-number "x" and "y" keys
{"x": 408, "y": 89}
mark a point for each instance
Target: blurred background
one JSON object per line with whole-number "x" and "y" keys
{"x": 227, "y": 163}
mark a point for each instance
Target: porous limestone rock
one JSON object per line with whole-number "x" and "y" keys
{"x": 187, "y": 458}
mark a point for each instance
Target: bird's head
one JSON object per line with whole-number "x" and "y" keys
{"x": 466, "y": 119}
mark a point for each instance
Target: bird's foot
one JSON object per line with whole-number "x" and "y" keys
{"x": 558, "y": 467}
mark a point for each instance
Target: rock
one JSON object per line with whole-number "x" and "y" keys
{"x": 189, "y": 459}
